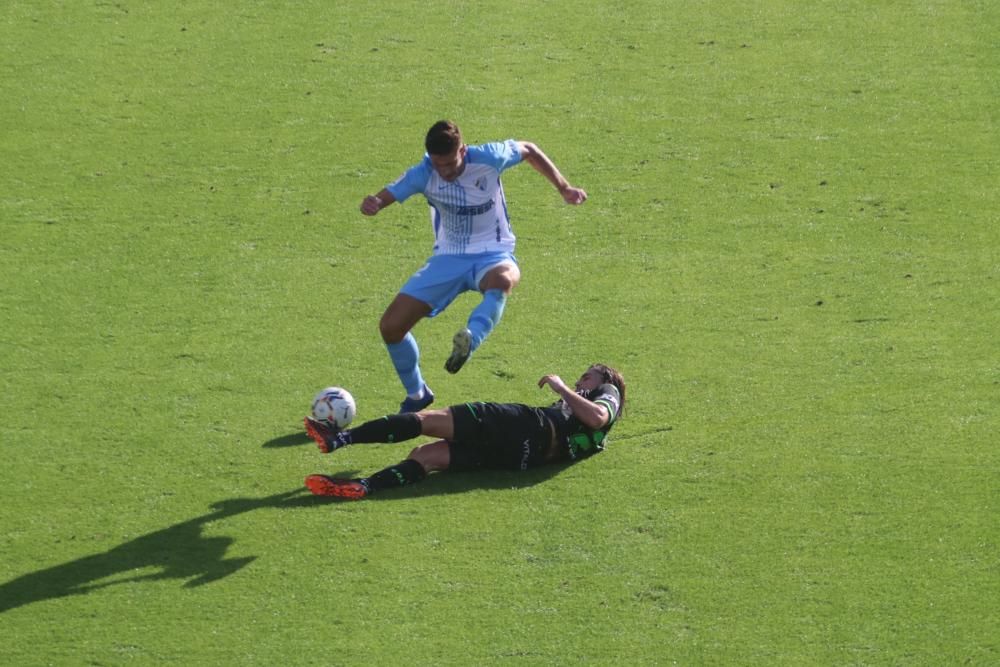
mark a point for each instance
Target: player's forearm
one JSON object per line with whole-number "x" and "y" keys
{"x": 589, "y": 413}
{"x": 541, "y": 163}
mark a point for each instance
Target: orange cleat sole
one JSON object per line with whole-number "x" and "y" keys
{"x": 321, "y": 485}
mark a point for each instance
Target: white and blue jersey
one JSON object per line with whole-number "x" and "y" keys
{"x": 469, "y": 214}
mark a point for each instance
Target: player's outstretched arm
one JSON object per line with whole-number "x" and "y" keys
{"x": 591, "y": 414}
{"x": 534, "y": 156}
{"x": 372, "y": 204}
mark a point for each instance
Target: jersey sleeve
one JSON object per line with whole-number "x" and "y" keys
{"x": 608, "y": 396}
{"x": 582, "y": 441}
{"x": 412, "y": 182}
{"x": 500, "y": 155}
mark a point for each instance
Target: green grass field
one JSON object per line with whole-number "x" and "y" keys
{"x": 791, "y": 251}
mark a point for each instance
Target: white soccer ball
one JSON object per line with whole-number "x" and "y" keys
{"x": 335, "y": 406}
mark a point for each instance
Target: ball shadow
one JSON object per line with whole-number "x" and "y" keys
{"x": 290, "y": 440}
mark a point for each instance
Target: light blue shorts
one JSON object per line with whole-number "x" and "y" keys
{"x": 444, "y": 277}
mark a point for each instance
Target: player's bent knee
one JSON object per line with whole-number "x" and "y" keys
{"x": 506, "y": 284}
{"x": 432, "y": 456}
{"x": 505, "y": 281}
{"x": 390, "y": 331}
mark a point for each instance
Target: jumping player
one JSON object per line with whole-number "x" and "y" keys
{"x": 483, "y": 435}
{"x": 473, "y": 245}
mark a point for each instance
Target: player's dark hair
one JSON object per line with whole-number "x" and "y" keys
{"x": 611, "y": 376}
{"x": 444, "y": 138}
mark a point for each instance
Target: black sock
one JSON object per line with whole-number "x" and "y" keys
{"x": 391, "y": 428}
{"x": 405, "y": 472}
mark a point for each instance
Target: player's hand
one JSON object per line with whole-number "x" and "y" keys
{"x": 573, "y": 195}
{"x": 555, "y": 382}
{"x": 371, "y": 205}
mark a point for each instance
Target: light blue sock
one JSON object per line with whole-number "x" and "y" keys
{"x": 405, "y": 357}
{"x": 486, "y": 315}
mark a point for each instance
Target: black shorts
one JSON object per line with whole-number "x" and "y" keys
{"x": 507, "y": 436}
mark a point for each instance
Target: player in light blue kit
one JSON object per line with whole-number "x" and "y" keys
{"x": 473, "y": 245}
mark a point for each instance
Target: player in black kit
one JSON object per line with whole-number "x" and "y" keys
{"x": 483, "y": 435}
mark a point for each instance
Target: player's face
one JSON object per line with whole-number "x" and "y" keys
{"x": 591, "y": 379}
{"x": 449, "y": 167}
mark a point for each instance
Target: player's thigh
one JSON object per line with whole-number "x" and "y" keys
{"x": 438, "y": 282}
{"x": 433, "y": 456}
{"x": 402, "y": 315}
{"x": 504, "y": 276}
{"x": 437, "y": 423}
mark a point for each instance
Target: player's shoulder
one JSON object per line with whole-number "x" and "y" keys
{"x": 424, "y": 166}
{"x": 421, "y": 169}
{"x": 413, "y": 180}
{"x": 607, "y": 393}
{"x": 500, "y": 154}
{"x": 493, "y": 147}
{"x": 607, "y": 388}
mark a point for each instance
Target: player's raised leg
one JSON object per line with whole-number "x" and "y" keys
{"x": 390, "y": 428}
{"x": 495, "y": 286}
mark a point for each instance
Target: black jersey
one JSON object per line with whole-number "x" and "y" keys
{"x": 576, "y": 440}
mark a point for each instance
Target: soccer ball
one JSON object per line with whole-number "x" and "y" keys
{"x": 335, "y": 406}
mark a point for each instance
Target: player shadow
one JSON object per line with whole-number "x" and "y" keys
{"x": 180, "y": 551}
{"x": 447, "y": 482}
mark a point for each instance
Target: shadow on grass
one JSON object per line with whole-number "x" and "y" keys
{"x": 441, "y": 483}
{"x": 290, "y": 440}
{"x": 180, "y": 551}
{"x": 438, "y": 483}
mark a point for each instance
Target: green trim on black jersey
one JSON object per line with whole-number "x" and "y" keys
{"x": 612, "y": 416}
{"x": 586, "y": 441}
